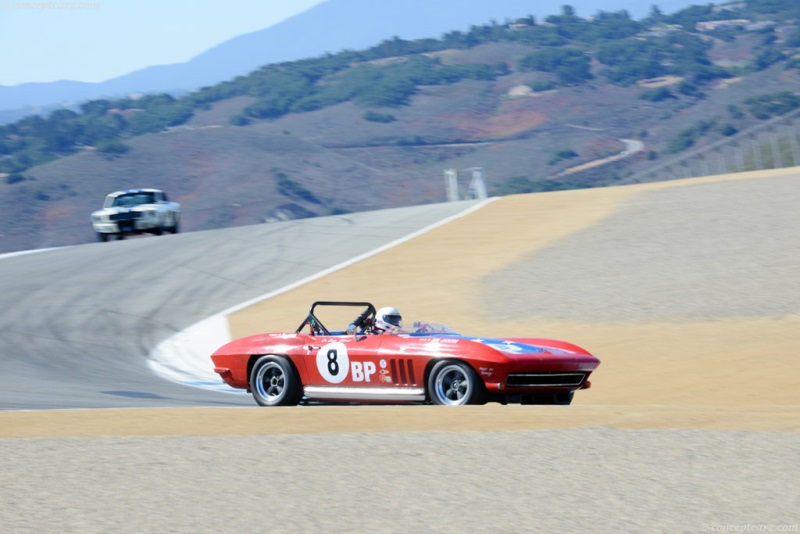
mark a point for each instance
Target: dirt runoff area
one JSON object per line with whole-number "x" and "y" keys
{"x": 686, "y": 290}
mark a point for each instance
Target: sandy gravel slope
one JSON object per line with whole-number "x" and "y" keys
{"x": 689, "y": 292}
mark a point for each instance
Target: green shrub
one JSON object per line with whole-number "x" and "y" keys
{"x": 572, "y": 66}
{"x": 374, "y": 116}
{"x": 295, "y": 190}
{"x": 766, "y": 106}
{"x": 112, "y": 147}
{"x": 15, "y": 178}
{"x": 339, "y": 211}
{"x": 735, "y": 112}
{"x": 542, "y": 85}
{"x": 239, "y": 120}
{"x": 560, "y": 155}
{"x": 689, "y": 89}
{"x": 688, "y": 137}
{"x": 657, "y": 94}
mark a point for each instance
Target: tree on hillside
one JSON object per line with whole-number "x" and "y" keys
{"x": 611, "y": 26}
{"x": 538, "y": 36}
{"x": 787, "y": 8}
{"x": 568, "y": 24}
{"x": 457, "y": 39}
{"x": 656, "y": 94}
{"x": 569, "y": 64}
{"x": 656, "y": 15}
{"x": 767, "y": 57}
{"x": 401, "y": 47}
{"x": 630, "y": 60}
{"x": 689, "y": 17}
{"x": 793, "y": 39}
{"x": 96, "y": 107}
{"x": 769, "y": 105}
{"x": 158, "y": 112}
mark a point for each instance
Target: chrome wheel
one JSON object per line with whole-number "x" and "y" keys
{"x": 274, "y": 382}
{"x": 454, "y": 383}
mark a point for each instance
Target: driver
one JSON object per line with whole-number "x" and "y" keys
{"x": 387, "y": 321}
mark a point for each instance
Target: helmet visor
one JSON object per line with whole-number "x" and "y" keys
{"x": 394, "y": 320}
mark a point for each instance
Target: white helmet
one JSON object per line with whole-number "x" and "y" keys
{"x": 388, "y": 318}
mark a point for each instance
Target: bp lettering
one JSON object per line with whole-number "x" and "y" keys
{"x": 362, "y": 371}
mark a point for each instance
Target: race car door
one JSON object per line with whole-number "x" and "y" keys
{"x": 351, "y": 368}
{"x": 343, "y": 361}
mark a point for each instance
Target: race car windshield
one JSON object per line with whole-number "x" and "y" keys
{"x": 422, "y": 328}
{"x": 133, "y": 199}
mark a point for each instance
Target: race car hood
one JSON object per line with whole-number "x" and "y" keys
{"x": 521, "y": 349}
{"x": 111, "y": 211}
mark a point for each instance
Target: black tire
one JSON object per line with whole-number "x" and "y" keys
{"x": 274, "y": 382}
{"x": 562, "y": 398}
{"x": 102, "y": 237}
{"x": 173, "y": 228}
{"x": 455, "y": 383}
{"x": 120, "y": 237}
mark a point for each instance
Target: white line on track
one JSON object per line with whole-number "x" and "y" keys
{"x": 24, "y": 252}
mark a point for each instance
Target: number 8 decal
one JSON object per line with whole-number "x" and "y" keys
{"x": 333, "y": 363}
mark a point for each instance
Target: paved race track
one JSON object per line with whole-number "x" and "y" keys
{"x": 78, "y": 323}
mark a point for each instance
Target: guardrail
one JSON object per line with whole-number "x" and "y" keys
{"x": 772, "y": 144}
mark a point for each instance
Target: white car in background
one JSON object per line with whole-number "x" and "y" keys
{"x": 136, "y": 211}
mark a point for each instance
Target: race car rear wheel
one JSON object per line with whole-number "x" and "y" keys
{"x": 454, "y": 383}
{"x": 274, "y": 382}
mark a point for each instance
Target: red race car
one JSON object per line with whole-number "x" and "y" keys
{"x": 374, "y": 360}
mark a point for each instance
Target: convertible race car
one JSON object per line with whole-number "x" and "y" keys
{"x": 429, "y": 363}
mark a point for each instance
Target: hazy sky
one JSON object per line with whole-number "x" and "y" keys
{"x": 92, "y": 40}
{"x": 96, "y": 40}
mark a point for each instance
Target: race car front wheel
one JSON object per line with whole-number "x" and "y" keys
{"x": 274, "y": 382}
{"x": 453, "y": 383}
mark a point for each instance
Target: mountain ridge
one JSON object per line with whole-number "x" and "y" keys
{"x": 366, "y": 25}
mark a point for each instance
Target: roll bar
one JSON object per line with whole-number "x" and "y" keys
{"x": 318, "y": 328}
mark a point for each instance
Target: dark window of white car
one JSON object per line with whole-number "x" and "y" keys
{"x": 133, "y": 199}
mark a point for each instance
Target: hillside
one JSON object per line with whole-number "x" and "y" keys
{"x": 377, "y": 128}
{"x": 328, "y": 27}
